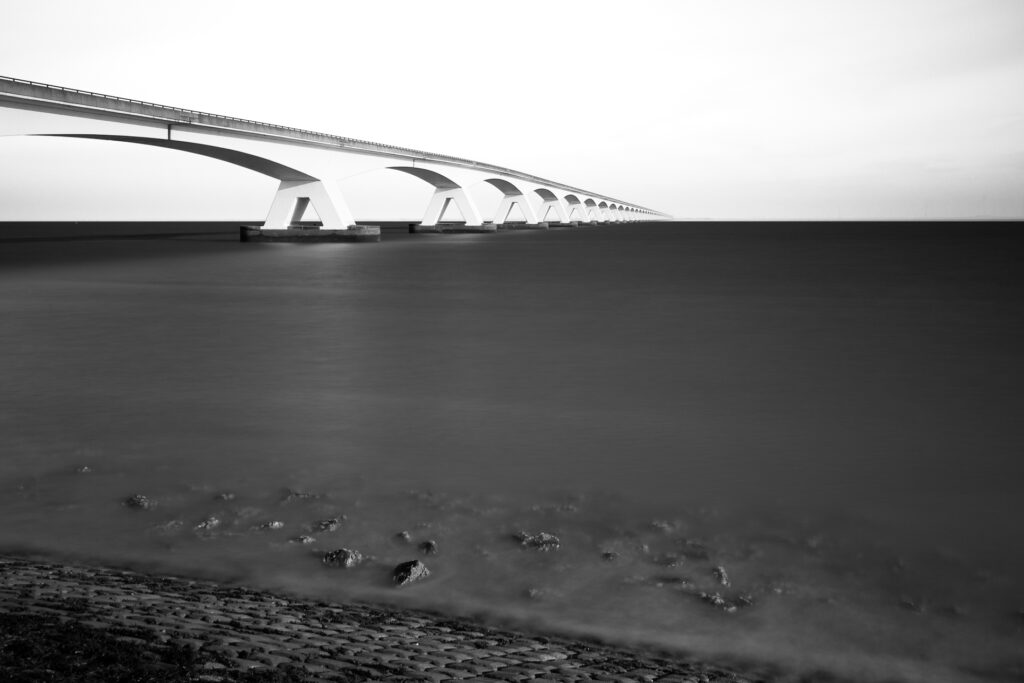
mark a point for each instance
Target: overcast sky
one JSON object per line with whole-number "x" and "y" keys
{"x": 702, "y": 109}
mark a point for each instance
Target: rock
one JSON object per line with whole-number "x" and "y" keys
{"x": 225, "y": 496}
{"x": 409, "y": 572}
{"x": 664, "y": 526}
{"x": 403, "y": 537}
{"x": 207, "y": 524}
{"x": 543, "y": 541}
{"x": 694, "y": 550}
{"x": 716, "y": 600}
{"x": 343, "y": 557}
{"x": 273, "y": 525}
{"x": 428, "y": 547}
{"x": 84, "y": 469}
{"x": 720, "y": 575}
{"x": 291, "y": 496}
{"x": 328, "y": 524}
{"x": 669, "y": 560}
{"x": 909, "y": 603}
{"x": 139, "y": 502}
{"x": 302, "y": 540}
{"x": 167, "y": 528}
{"x": 609, "y": 556}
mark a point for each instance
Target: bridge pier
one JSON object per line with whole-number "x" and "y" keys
{"x": 444, "y": 198}
{"x": 294, "y": 196}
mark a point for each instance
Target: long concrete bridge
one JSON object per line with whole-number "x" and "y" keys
{"x": 307, "y": 164}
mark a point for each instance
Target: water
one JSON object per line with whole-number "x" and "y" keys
{"x": 829, "y": 412}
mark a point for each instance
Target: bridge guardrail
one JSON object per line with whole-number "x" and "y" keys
{"x": 195, "y": 117}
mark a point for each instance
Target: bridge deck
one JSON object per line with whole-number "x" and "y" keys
{"x": 74, "y": 98}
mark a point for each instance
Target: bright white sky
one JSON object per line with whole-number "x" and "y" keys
{"x": 717, "y": 108}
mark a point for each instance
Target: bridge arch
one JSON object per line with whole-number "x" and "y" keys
{"x": 446, "y": 193}
{"x": 295, "y": 193}
{"x": 512, "y": 196}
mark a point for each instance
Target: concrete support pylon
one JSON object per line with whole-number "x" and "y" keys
{"x": 548, "y": 203}
{"x": 294, "y": 196}
{"x": 505, "y": 208}
{"x": 443, "y": 198}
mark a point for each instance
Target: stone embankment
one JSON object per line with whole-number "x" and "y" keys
{"x": 233, "y": 634}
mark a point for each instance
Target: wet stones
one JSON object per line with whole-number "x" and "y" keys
{"x": 139, "y": 502}
{"x": 328, "y": 524}
{"x": 727, "y": 604}
{"x": 344, "y": 558}
{"x": 694, "y": 550}
{"x": 292, "y": 496}
{"x": 409, "y": 572}
{"x": 208, "y": 524}
{"x": 720, "y": 575}
{"x": 544, "y": 542}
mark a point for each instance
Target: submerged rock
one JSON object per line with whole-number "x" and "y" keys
{"x": 139, "y": 502}
{"x": 225, "y": 496}
{"x": 609, "y": 556}
{"x": 720, "y": 575}
{"x": 428, "y": 547}
{"x": 727, "y": 604}
{"x": 343, "y": 557}
{"x": 543, "y": 541}
{"x": 302, "y": 540}
{"x": 292, "y": 496}
{"x": 328, "y": 524}
{"x": 84, "y": 469}
{"x": 403, "y": 537}
{"x": 273, "y": 525}
{"x": 207, "y": 524}
{"x": 694, "y": 550}
{"x": 409, "y": 572}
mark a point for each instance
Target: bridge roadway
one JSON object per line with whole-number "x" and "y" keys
{"x": 308, "y": 164}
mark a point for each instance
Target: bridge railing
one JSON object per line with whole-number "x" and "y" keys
{"x": 179, "y": 115}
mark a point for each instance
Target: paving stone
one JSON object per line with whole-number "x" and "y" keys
{"x": 253, "y": 630}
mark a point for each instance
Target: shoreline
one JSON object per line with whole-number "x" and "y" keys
{"x": 226, "y": 633}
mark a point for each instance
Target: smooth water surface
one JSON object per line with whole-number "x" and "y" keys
{"x": 832, "y": 413}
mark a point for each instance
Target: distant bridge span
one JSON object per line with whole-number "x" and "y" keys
{"x": 307, "y": 164}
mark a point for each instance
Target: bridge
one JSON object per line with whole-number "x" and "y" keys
{"x": 307, "y": 164}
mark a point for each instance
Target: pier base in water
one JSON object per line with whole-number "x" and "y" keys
{"x": 452, "y": 228}
{"x": 354, "y": 233}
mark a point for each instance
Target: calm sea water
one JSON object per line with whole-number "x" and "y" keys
{"x": 831, "y": 413}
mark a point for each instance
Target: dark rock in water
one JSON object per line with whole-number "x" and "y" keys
{"x": 290, "y": 496}
{"x": 408, "y": 572}
{"x": 664, "y": 526}
{"x": 720, "y": 575}
{"x": 669, "y": 560}
{"x": 727, "y": 604}
{"x": 609, "y": 556}
{"x": 328, "y": 524}
{"x": 542, "y": 541}
{"x": 225, "y": 496}
{"x": 139, "y": 502}
{"x": 909, "y": 603}
{"x": 208, "y": 524}
{"x": 403, "y": 537}
{"x": 694, "y": 550}
{"x": 343, "y": 557}
{"x": 273, "y": 525}
{"x": 302, "y": 540}
{"x": 428, "y": 547}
